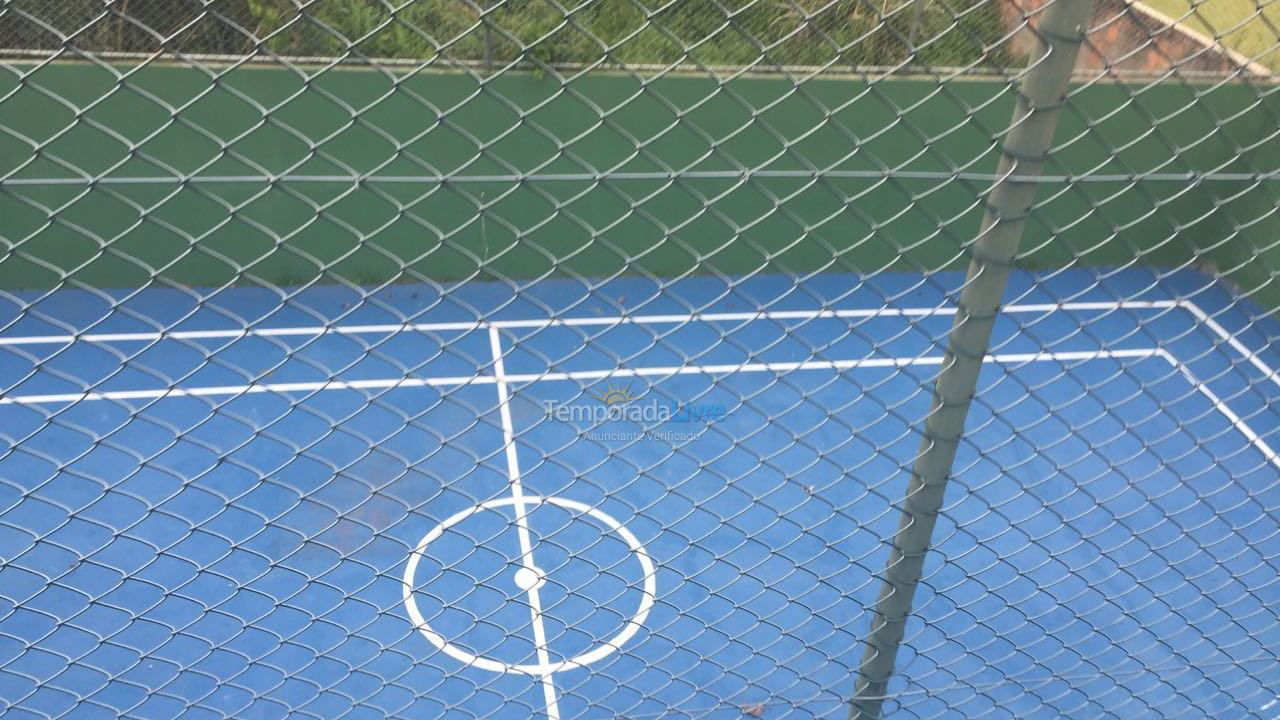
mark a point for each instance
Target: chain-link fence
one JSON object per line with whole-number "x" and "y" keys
{"x": 633, "y": 359}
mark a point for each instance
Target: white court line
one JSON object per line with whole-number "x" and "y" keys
{"x": 503, "y": 378}
{"x": 1230, "y": 339}
{"x": 522, "y": 526}
{"x": 1199, "y": 314}
{"x": 570, "y": 322}
{"x": 1235, "y": 420}
{"x": 220, "y": 390}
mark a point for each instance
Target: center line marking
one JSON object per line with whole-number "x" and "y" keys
{"x": 522, "y": 526}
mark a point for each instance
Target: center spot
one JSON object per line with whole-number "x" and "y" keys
{"x": 529, "y": 578}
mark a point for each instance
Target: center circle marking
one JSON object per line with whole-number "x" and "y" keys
{"x": 529, "y": 579}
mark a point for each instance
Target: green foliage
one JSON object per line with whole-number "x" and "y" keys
{"x": 708, "y": 32}
{"x": 127, "y": 25}
{"x": 760, "y": 33}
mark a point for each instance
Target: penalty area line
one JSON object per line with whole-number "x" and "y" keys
{"x": 536, "y": 323}
{"x": 505, "y": 378}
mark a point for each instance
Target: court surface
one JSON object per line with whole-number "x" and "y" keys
{"x": 417, "y": 503}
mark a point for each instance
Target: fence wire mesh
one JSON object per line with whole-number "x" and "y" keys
{"x": 639, "y": 359}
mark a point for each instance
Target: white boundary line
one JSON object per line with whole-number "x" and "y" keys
{"x": 522, "y": 525}
{"x": 503, "y": 379}
{"x": 1235, "y": 420}
{"x": 1203, "y": 317}
{"x": 569, "y": 322}
{"x": 1213, "y": 325}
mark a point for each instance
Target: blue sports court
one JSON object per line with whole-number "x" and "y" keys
{"x": 638, "y": 499}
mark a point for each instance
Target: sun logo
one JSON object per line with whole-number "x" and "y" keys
{"x": 615, "y": 394}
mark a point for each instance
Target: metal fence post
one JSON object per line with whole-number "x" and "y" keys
{"x": 488, "y": 38}
{"x": 1059, "y": 34}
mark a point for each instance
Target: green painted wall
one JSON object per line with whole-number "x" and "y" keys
{"x": 1248, "y": 250}
{"x": 367, "y": 121}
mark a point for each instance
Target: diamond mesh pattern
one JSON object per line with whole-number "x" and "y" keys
{"x": 420, "y": 358}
